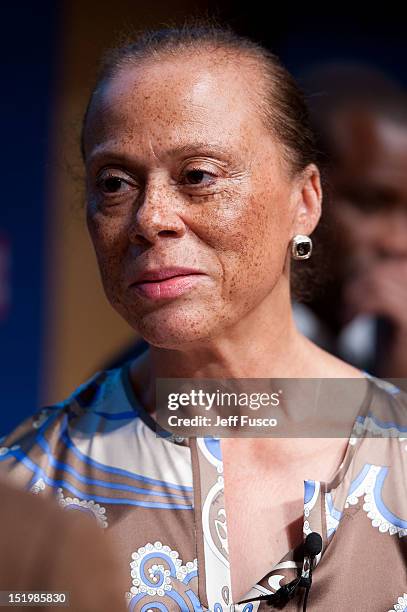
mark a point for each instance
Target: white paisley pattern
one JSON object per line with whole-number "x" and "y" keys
{"x": 38, "y": 486}
{"x": 401, "y": 605}
{"x": 154, "y": 570}
{"x": 4, "y": 450}
{"x": 73, "y": 503}
{"x": 157, "y": 579}
{"x": 40, "y": 418}
{"x": 370, "y": 487}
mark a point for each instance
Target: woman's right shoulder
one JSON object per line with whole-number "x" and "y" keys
{"x": 47, "y": 424}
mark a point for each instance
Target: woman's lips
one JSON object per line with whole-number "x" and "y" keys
{"x": 169, "y": 287}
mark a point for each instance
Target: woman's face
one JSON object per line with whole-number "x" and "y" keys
{"x": 181, "y": 172}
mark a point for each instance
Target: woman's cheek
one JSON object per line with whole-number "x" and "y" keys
{"x": 107, "y": 232}
{"x": 225, "y": 224}
{"x": 260, "y": 250}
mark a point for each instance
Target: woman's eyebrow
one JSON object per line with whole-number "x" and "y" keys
{"x": 201, "y": 148}
{"x": 102, "y": 152}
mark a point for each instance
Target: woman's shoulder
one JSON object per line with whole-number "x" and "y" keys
{"x": 387, "y": 411}
{"x": 101, "y": 393}
{"x": 386, "y": 398}
{"x": 384, "y": 401}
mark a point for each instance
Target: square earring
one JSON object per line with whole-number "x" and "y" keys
{"x": 301, "y": 247}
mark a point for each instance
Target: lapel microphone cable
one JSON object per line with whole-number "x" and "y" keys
{"x": 312, "y": 547}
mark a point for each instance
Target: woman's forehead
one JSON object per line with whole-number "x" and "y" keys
{"x": 175, "y": 101}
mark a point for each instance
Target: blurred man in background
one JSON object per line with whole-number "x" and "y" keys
{"x": 360, "y": 312}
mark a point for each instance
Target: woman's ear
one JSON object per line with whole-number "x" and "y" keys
{"x": 307, "y": 200}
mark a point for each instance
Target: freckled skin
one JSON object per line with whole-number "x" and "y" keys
{"x": 236, "y": 229}
{"x": 233, "y": 220}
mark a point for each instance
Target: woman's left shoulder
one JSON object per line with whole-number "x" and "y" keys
{"x": 386, "y": 414}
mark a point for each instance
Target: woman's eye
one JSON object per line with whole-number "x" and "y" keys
{"x": 195, "y": 176}
{"x": 112, "y": 184}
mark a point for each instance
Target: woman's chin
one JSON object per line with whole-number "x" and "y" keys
{"x": 175, "y": 330}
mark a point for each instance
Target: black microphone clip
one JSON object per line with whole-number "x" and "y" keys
{"x": 312, "y": 547}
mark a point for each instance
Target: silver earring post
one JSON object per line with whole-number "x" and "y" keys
{"x": 301, "y": 247}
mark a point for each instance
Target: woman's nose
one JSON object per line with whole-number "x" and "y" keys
{"x": 157, "y": 215}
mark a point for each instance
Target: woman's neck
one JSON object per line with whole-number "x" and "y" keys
{"x": 263, "y": 344}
